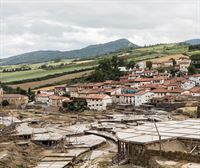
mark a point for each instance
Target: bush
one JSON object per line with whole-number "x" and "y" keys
{"x": 75, "y": 105}
{"x": 5, "y": 103}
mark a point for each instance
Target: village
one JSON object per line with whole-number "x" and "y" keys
{"x": 148, "y": 118}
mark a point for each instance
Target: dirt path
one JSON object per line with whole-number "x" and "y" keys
{"x": 99, "y": 158}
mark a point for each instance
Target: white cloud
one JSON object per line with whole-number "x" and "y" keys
{"x": 71, "y": 24}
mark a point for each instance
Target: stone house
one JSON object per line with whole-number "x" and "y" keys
{"x": 16, "y": 100}
{"x": 57, "y": 101}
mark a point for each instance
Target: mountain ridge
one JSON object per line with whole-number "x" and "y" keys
{"x": 86, "y": 52}
{"x": 192, "y": 41}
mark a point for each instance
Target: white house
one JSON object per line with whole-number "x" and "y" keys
{"x": 124, "y": 98}
{"x": 186, "y": 85}
{"x": 98, "y": 102}
{"x": 160, "y": 92}
{"x": 140, "y": 82}
{"x": 122, "y": 69}
{"x": 143, "y": 97}
{"x": 111, "y": 92}
{"x": 184, "y": 63}
{"x": 47, "y": 91}
{"x": 42, "y": 98}
{"x": 196, "y": 79}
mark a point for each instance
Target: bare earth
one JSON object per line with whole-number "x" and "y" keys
{"x": 166, "y": 58}
{"x": 51, "y": 81}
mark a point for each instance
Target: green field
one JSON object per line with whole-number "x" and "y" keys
{"x": 36, "y": 73}
{"x": 151, "y": 52}
{"x": 156, "y": 52}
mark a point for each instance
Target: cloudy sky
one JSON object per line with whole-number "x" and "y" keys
{"x": 29, "y": 25}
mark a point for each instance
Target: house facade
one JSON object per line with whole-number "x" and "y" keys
{"x": 124, "y": 99}
{"x": 98, "y": 102}
{"x": 16, "y": 100}
{"x": 195, "y": 78}
{"x": 143, "y": 97}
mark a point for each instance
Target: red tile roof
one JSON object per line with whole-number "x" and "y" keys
{"x": 14, "y": 96}
{"x": 195, "y": 89}
{"x": 143, "y": 79}
{"x": 96, "y": 96}
{"x": 42, "y": 95}
{"x": 161, "y": 90}
{"x": 196, "y": 75}
{"x": 53, "y": 97}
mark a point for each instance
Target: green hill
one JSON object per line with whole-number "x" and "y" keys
{"x": 192, "y": 42}
{"x": 87, "y": 52}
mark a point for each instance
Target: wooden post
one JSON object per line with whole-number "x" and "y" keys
{"x": 158, "y": 136}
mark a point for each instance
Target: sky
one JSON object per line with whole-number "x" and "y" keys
{"x": 30, "y": 25}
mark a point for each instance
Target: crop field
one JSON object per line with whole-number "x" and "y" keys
{"x": 159, "y": 51}
{"x": 51, "y": 81}
{"x": 36, "y": 73}
{"x": 166, "y": 58}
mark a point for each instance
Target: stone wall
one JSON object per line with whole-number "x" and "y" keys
{"x": 167, "y": 106}
{"x": 136, "y": 154}
{"x": 140, "y": 154}
{"x": 174, "y": 155}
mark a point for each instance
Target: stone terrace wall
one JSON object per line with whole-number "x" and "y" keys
{"x": 174, "y": 155}
{"x": 140, "y": 155}
{"x": 136, "y": 154}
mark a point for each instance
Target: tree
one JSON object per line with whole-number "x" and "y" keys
{"x": 191, "y": 69}
{"x": 108, "y": 69}
{"x": 4, "y": 103}
{"x": 131, "y": 64}
{"x": 137, "y": 66}
{"x": 173, "y": 60}
{"x": 149, "y": 64}
{"x": 161, "y": 70}
{"x": 196, "y": 60}
{"x": 31, "y": 94}
{"x": 75, "y": 105}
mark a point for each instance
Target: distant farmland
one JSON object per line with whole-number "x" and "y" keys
{"x": 166, "y": 58}
{"x": 51, "y": 81}
{"x": 37, "y": 76}
{"x": 6, "y": 77}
